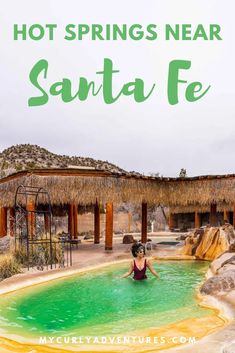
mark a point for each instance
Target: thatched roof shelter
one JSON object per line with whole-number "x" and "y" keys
{"x": 84, "y": 186}
{"x": 221, "y": 207}
{"x": 200, "y": 192}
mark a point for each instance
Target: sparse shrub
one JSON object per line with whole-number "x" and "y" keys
{"x": 18, "y": 167}
{"x": 31, "y": 165}
{"x": 20, "y": 255}
{"x": 9, "y": 266}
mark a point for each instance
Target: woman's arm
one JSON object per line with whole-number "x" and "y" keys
{"x": 150, "y": 267}
{"x": 129, "y": 272}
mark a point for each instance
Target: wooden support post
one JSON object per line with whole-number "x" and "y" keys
{"x": 144, "y": 223}
{"x": 129, "y": 221}
{"x": 197, "y": 220}
{"x": 71, "y": 221}
{"x": 171, "y": 220}
{"x": 11, "y": 221}
{"x": 3, "y": 221}
{"x": 47, "y": 223}
{"x": 226, "y": 216}
{"x": 31, "y": 219}
{"x": 75, "y": 221}
{"x": 97, "y": 223}
{"x": 234, "y": 216}
{"x": 213, "y": 215}
{"x": 109, "y": 227}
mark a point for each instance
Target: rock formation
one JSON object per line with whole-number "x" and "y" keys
{"x": 128, "y": 239}
{"x": 209, "y": 243}
{"x": 224, "y": 282}
{"x": 221, "y": 275}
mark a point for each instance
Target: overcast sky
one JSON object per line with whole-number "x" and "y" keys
{"x": 153, "y": 136}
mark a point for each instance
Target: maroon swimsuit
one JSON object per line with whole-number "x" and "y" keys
{"x": 140, "y": 274}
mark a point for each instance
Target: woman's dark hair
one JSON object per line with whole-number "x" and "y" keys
{"x": 136, "y": 248}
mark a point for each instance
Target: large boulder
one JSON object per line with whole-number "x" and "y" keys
{"x": 209, "y": 243}
{"x": 128, "y": 239}
{"x": 221, "y": 275}
{"x": 222, "y": 263}
{"x": 224, "y": 282}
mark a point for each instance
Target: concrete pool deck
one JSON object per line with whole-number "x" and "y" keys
{"x": 89, "y": 256}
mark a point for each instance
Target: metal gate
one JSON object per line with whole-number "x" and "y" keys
{"x": 34, "y": 244}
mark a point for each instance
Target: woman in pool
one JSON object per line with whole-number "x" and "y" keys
{"x": 140, "y": 264}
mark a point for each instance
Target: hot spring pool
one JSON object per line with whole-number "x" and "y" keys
{"x": 101, "y": 303}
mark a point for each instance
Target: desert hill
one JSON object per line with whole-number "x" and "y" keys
{"x": 27, "y": 156}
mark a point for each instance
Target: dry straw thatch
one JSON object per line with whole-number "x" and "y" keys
{"x": 84, "y": 187}
{"x": 199, "y": 193}
{"x": 81, "y": 187}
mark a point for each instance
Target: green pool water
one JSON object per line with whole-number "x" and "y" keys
{"x": 102, "y": 303}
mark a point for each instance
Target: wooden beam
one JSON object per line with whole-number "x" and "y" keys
{"x": 3, "y": 221}
{"x": 109, "y": 227}
{"x": 213, "y": 215}
{"x": 96, "y": 223}
{"x": 144, "y": 222}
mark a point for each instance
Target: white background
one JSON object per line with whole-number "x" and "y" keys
{"x": 147, "y": 137}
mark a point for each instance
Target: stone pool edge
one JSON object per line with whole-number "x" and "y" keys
{"x": 222, "y": 340}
